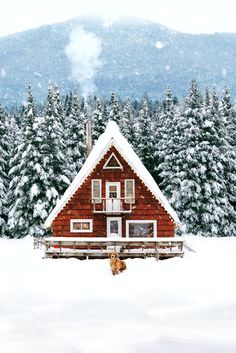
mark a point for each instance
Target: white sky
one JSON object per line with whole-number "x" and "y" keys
{"x": 194, "y": 16}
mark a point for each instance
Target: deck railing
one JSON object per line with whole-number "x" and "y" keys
{"x": 100, "y": 247}
{"x": 113, "y": 205}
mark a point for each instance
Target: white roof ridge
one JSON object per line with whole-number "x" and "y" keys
{"x": 112, "y": 136}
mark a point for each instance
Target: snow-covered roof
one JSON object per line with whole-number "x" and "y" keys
{"x": 112, "y": 137}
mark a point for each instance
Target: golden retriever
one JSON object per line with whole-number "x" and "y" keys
{"x": 116, "y": 264}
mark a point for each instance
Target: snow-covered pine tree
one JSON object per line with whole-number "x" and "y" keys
{"x": 53, "y": 148}
{"x": 215, "y": 208}
{"x": 225, "y": 106}
{"x": 196, "y": 187}
{"x": 4, "y": 166}
{"x": 128, "y": 124}
{"x": 27, "y": 186}
{"x": 186, "y": 199}
{"x": 179, "y": 170}
{"x": 58, "y": 108}
{"x": 231, "y": 127}
{"x": 85, "y": 111}
{"x": 165, "y": 128}
{"x": 226, "y": 130}
{"x": 67, "y": 104}
{"x": 15, "y": 160}
{"x": 115, "y": 110}
{"x": 145, "y": 138}
{"x": 98, "y": 124}
{"x": 74, "y": 137}
{"x": 105, "y": 112}
{"x": 14, "y": 134}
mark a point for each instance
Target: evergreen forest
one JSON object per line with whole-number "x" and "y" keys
{"x": 188, "y": 145}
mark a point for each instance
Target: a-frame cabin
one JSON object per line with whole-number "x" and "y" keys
{"x": 113, "y": 201}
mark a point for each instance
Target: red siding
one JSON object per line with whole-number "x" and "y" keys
{"x": 146, "y": 206}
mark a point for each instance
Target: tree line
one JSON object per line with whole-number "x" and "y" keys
{"x": 188, "y": 147}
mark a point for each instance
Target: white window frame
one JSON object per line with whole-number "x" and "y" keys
{"x": 94, "y": 199}
{"x": 126, "y": 197}
{"x": 142, "y": 221}
{"x": 90, "y": 230}
{"x": 107, "y": 162}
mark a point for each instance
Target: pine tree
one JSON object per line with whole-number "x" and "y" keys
{"x": 74, "y": 137}
{"x": 67, "y": 103}
{"x": 226, "y": 105}
{"x": 215, "y": 207}
{"x": 231, "y": 127}
{"x": 98, "y": 124}
{"x": 53, "y": 146}
{"x": 145, "y": 141}
{"x": 165, "y": 124}
{"x": 178, "y": 168}
{"x": 58, "y": 108}
{"x": 105, "y": 112}
{"x": 115, "y": 111}
{"x": 4, "y": 165}
{"x": 37, "y": 179}
{"x": 128, "y": 124}
{"x": 228, "y": 154}
{"x": 187, "y": 201}
{"x": 227, "y": 113}
{"x": 25, "y": 218}
{"x": 193, "y": 173}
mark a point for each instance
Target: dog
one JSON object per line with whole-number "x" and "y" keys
{"x": 116, "y": 264}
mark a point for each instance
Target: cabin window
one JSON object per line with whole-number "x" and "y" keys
{"x": 81, "y": 225}
{"x": 112, "y": 163}
{"x": 141, "y": 229}
{"x": 96, "y": 190}
{"x": 129, "y": 190}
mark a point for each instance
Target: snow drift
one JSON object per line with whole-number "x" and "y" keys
{"x": 69, "y": 306}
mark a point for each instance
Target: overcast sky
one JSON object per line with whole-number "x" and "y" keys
{"x": 193, "y": 16}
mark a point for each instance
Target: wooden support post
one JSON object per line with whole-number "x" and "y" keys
{"x": 157, "y": 252}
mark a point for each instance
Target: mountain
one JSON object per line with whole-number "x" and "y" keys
{"x": 138, "y": 56}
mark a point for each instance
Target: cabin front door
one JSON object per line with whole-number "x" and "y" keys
{"x": 113, "y": 197}
{"x": 114, "y": 230}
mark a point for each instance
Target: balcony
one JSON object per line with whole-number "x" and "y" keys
{"x": 113, "y": 205}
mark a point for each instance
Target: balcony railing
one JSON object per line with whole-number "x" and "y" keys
{"x": 113, "y": 205}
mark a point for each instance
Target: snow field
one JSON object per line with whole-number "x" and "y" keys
{"x": 70, "y": 306}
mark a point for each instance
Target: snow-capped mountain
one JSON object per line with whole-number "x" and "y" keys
{"x": 137, "y": 56}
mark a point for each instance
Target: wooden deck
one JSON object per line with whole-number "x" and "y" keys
{"x": 94, "y": 248}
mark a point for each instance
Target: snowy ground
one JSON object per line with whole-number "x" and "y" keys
{"x": 69, "y": 306}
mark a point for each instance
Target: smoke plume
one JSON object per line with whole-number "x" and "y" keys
{"x": 84, "y": 51}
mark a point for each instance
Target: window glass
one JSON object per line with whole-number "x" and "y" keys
{"x": 129, "y": 190}
{"x": 85, "y": 225}
{"x": 81, "y": 225}
{"x": 112, "y": 191}
{"x": 141, "y": 229}
{"x": 76, "y": 225}
{"x": 96, "y": 190}
{"x": 114, "y": 227}
{"x": 113, "y": 163}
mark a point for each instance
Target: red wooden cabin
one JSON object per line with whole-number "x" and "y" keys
{"x": 113, "y": 198}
